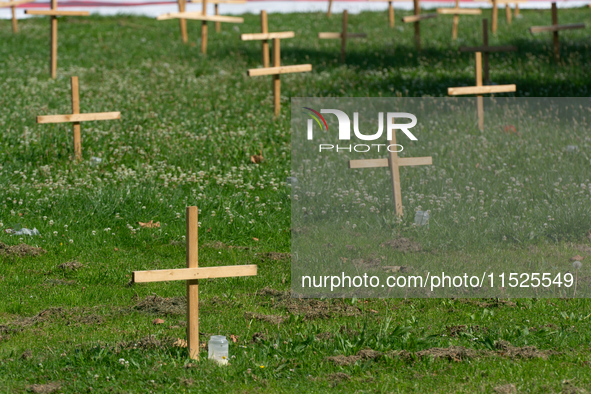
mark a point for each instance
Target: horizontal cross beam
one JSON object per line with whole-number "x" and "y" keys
{"x": 340, "y": 35}
{"x": 505, "y": 48}
{"x": 194, "y": 273}
{"x": 403, "y": 161}
{"x": 481, "y": 90}
{"x": 57, "y": 13}
{"x": 539, "y": 29}
{"x": 78, "y": 117}
{"x": 267, "y": 36}
{"x": 420, "y": 17}
{"x": 459, "y": 11}
{"x": 198, "y": 15}
{"x": 300, "y": 68}
{"x": 15, "y": 3}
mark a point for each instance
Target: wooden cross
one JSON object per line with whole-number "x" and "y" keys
{"x": 554, "y": 28}
{"x": 417, "y": 18}
{"x": 76, "y": 117}
{"x": 277, "y": 69}
{"x": 486, "y": 50}
{"x": 13, "y": 5}
{"x": 394, "y": 163}
{"x": 201, "y": 16}
{"x": 216, "y": 3}
{"x": 265, "y": 41}
{"x": 391, "y": 21}
{"x": 479, "y": 90}
{"x": 456, "y": 12}
{"x": 54, "y": 13}
{"x": 495, "y": 12}
{"x": 342, "y": 36}
{"x": 191, "y": 275}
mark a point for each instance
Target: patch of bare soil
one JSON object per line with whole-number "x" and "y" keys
{"x": 365, "y": 354}
{"x": 324, "y": 336}
{"x": 505, "y": 349}
{"x": 404, "y": 245}
{"x": 21, "y": 250}
{"x": 274, "y": 319}
{"x": 488, "y": 303}
{"x": 162, "y": 306}
{"x": 259, "y": 337}
{"x": 276, "y": 256}
{"x": 25, "y": 322}
{"x": 70, "y": 266}
{"x": 367, "y": 263}
{"x": 338, "y": 377}
{"x": 583, "y": 248}
{"x": 453, "y": 353}
{"x": 568, "y": 387}
{"x": 45, "y": 388}
{"x": 506, "y": 389}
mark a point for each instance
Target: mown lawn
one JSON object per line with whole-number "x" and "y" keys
{"x": 70, "y": 318}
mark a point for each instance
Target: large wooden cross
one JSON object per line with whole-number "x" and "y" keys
{"x": 13, "y": 5}
{"x": 479, "y": 90}
{"x": 54, "y": 13}
{"x": 456, "y": 12}
{"x": 416, "y": 19}
{"x": 216, "y": 3}
{"x": 191, "y": 275}
{"x": 342, "y": 36}
{"x": 76, "y": 117}
{"x": 277, "y": 69}
{"x": 394, "y": 163}
{"x": 554, "y": 28}
{"x": 486, "y": 50}
{"x": 204, "y": 18}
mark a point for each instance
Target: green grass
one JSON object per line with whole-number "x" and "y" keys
{"x": 189, "y": 127}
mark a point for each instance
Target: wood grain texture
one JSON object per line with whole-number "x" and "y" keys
{"x": 417, "y": 18}
{"x": 14, "y": 3}
{"x": 194, "y": 273}
{"x": 192, "y": 239}
{"x": 481, "y": 90}
{"x": 57, "y": 13}
{"x": 265, "y": 44}
{"x": 459, "y": 11}
{"x": 78, "y": 117}
{"x": 200, "y": 17}
{"x": 256, "y": 72}
{"x": 76, "y": 125}
{"x": 266, "y": 36}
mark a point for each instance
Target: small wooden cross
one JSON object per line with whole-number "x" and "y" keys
{"x": 479, "y": 90}
{"x": 201, "y": 16}
{"x": 486, "y": 50}
{"x": 456, "y": 12}
{"x": 394, "y": 163}
{"x": 416, "y": 19}
{"x": 277, "y": 69}
{"x": 54, "y": 13}
{"x": 76, "y": 117}
{"x": 554, "y": 28}
{"x": 495, "y": 12}
{"x": 191, "y": 275}
{"x": 342, "y": 36}
{"x": 391, "y": 20}
{"x": 216, "y": 3}
{"x": 13, "y": 5}
{"x": 264, "y": 37}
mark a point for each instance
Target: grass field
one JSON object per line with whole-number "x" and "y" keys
{"x": 189, "y": 126}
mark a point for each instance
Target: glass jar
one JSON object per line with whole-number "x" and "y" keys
{"x": 218, "y": 349}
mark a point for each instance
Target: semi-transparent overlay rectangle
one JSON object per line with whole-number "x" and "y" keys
{"x": 503, "y": 211}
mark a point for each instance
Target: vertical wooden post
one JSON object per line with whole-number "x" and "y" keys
{"x": 395, "y": 170}
{"x": 555, "y": 33}
{"x": 329, "y": 13}
{"x": 192, "y": 285}
{"x": 508, "y": 13}
{"x": 417, "y": 8}
{"x": 485, "y": 54}
{"x": 495, "y": 16}
{"x": 53, "y": 42}
{"x": 14, "y": 21}
{"x": 76, "y": 125}
{"x": 218, "y": 25}
{"x": 265, "y": 29}
{"x": 204, "y": 30}
{"x": 456, "y": 22}
{"x": 391, "y": 14}
{"x": 516, "y": 10}
{"x": 344, "y": 36}
{"x": 276, "y": 77}
{"x": 479, "y": 99}
{"x": 183, "y": 22}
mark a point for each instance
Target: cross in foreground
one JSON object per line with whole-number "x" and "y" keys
{"x": 394, "y": 163}
{"x": 277, "y": 69}
{"x": 486, "y": 50}
{"x": 13, "y": 5}
{"x": 554, "y": 28}
{"x": 201, "y": 16}
{"x": 191, "y": 275}
{"x": 342, "y": 36}
{"x": 76, "y": 117}
{"x": 54, "y": 13}
{"x": 479, "y": 90}
{"x": 416, "y": 19}
{"x": 456, "y": 12}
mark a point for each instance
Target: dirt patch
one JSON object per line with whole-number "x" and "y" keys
{"x": 367, "y": 263}
{"x": 25, "y": 322}
{"x": 45, "y": 388}
{"x": 506, "y": 389}
{"x": 365, "y": 354}
{"x": 70, "y": 266}
{"x": 267, "y": 291}
{"x": 488, "y": 303}
{"x": 324, "y": 336}
{"x": 147, "y": 343}
{"x": 276, "y": 256}
{"x": 274, "y": 319}
{"x": 583, "y": 248}
{"x": 453, "y": 353}
{"x": 338, "y": 377}
{"x": 21, "y": 250}
{"x": 404, "y": 245}
{"x": 505, "y": 349}
{"x": 570, "y": 388}
{"x": 259, "y": 337}
{"x": 162, "y": 306}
